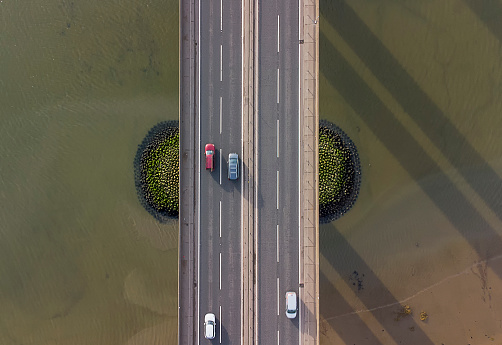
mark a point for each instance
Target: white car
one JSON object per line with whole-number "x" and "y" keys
{"x": 291, "y": 306}
{"x": 209, "y": 326}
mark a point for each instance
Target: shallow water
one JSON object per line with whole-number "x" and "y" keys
{"x": 82, "y": 83}
{"x": 416, "y": 85}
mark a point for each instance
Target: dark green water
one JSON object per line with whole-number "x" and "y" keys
{"x": 82, "y": 82}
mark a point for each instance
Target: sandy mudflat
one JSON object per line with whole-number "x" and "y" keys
{"x": 374, "y": 262}
{"x": 465, "y": 308}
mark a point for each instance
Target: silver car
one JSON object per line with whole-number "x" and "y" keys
{"x": 233, "y": 166}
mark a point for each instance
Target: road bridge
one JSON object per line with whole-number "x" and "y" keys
{"x": 249, "y": 85}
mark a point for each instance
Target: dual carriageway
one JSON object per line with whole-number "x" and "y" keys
{"x": 244, "y": 243}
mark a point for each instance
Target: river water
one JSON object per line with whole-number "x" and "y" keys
{"x": 81, "y": 83}
{"x": 417, "y": 85}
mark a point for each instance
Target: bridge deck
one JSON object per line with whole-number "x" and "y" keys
{"x": 309, "y": 256}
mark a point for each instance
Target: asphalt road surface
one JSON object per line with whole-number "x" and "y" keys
{"x": 219, "y": 226}
{"x": 219, "y": 70}
{"x": 278, "y": 170}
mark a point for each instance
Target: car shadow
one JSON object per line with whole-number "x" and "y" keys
{"x": 225, "y": 339}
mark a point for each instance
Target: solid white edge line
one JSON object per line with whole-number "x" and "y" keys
{"x": 278, "y": 29}
{"x": 221, "y": 62}
{"x": 277, "y": 242}
{"x": 278, "y": 307}
{"x": 277, "y": 138}
{"x": 277, "y": 189}
{"x": 299, "y": 172}
{"x": 221, "y": 162}
{"x": 242, "y": 179}
{"x": 220, "y": 270}
{"x": 221, "y": 113}
{"x": 198, "y": 201}
{"x": 220, "y": 218}
{"x": 277, "y": 86}
{"x": 256, "y": 141}
{"x": 220, "y": 323}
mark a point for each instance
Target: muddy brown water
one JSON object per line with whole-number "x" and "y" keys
{"x": 416, "y": 85}
{"x": 81, "y": 84}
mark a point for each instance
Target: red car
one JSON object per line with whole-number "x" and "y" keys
{"x": 210, "y": 152}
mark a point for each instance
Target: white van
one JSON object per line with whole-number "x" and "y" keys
{"x": 209, "y": 326}
{"x": 291, "y": 306}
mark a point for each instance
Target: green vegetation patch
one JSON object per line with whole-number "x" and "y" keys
{"x": 339, "y": 172}
{"x": 161, "y": 167}
{"x": 333, "y": 165}
{"x": 157, "y": 171}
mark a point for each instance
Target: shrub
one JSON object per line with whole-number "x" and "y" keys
{"x": 339, "y": 172}
{"x": 157, "y": 171}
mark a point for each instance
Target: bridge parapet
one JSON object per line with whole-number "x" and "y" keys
{"x": 187, "y": 216}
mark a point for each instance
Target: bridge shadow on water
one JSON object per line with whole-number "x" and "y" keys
{"x": 445, "y": 195}
{"x": 338, "y": 252}
{"x": 490, "y": 13}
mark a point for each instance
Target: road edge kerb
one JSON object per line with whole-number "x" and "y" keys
{"x": 187, "y": 178}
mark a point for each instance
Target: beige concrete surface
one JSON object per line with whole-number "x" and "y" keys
{"x": 309, "y": 107}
